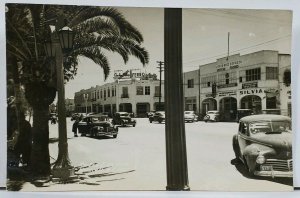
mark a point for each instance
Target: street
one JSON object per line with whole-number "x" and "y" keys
{"x": 135, "y": 160}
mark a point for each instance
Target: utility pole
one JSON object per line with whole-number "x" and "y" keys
{"x": 160, "y": 63}
{"x": 199, "y": 102}
{"x": 176, "y": 157}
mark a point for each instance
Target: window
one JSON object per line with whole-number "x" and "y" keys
{"x": 190, "y": 83}
{"x": 101, "y": 94}
{"x": 124, "y": 92}
{"x": 271, "y": 102}
{"x": 241, "y": 79}
{"x": 156, "y": 94}
{"x": 226, "y": 78}
{"x": 290, "y": 109}
{"x": 139, "y": 90}
{"x": 207, "y": 81}
{"x": 104, "y": 94}
{"x": 271, "y": 73}
{"x": 98, "y": 95}
{"x": 253, "y": 74}
{"x": 287, "y": 78}
{"x": 147, "y": 90}
{"x": 112, "y": 92}
{"x": 108, "y": 92}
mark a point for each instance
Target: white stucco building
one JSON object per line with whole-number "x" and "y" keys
{"x": 259, "y": 81}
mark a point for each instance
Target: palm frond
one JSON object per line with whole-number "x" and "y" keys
{"x": 126, "y": 29}
{"x": 95, "y": 54}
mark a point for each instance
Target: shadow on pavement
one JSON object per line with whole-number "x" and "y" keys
{"x": 242, "y": 169}
{"x": 54, "y": 140}
{"x": 87, "y": 175}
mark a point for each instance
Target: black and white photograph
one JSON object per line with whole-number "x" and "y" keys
{"x": 107, "y": 98}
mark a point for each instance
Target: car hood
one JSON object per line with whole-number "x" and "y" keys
{"x": 282, "y": 141}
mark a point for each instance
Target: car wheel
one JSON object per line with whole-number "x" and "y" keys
{"x": 160, "y": 121}
{"x": 115, "y": 136}
{"x": 150, "y": 121}
{"x": 249, "y": 171}
{"x": 236, "y": 148}
{"x": 133, "y": 125}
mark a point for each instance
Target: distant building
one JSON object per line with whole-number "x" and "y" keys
{"x": 70, "y": 106}
{"x": 136, "y": 93}
{"x": 259, "y": 81}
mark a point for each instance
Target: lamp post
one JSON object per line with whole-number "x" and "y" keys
{"x": 86, "y": 96}
{"x": 60, "y": 44}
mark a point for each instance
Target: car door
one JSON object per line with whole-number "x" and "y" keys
{"x": 242, "y": 136}
{"x": 82, "y": 126}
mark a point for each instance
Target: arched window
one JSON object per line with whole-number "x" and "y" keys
{"x": 287, "y": 78}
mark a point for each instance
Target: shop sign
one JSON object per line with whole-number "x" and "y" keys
{"x": 227, "y": 85}
{"x": 249, "y": 85}
{"x": 251, "y": 91}
{"x": 230, "y": 65}
{"x": 227, "y": 93}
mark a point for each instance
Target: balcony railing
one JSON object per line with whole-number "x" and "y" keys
{"x": 124, "y": 96}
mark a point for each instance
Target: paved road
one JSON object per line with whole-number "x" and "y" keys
{"x": 135, "y": 160}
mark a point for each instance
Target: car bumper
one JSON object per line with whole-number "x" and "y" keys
{"x": 274, "y": 173}
{"x": 102, "y": 133}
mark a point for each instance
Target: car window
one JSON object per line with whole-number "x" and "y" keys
{"x": 243, "y": 128}
{"x": 270, "y": 127}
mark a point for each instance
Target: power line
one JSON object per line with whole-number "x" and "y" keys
{"x": 223, "y": 54}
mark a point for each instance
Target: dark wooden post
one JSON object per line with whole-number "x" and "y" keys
{"x": 177, "y": 171}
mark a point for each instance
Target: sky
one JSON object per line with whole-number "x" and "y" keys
{"x": 205, "y": 38}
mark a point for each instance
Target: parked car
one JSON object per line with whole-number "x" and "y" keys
{"x": 212, "y": 116}
{"x": 242, "y": 113}
{"x": 264, "y": 145}
{"x": 150, "y": 113}
{"x": 97, "y": 125}
{"x": 190, "y": 116}
{"x": 159, "y": 116}
{"x": 123, "y": 119}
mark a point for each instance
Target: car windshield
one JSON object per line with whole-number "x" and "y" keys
{"x": 98, "y": 119}
{"x": 212, "y": 112}
{"x": 124, "y": 114}
{"x": 269, "y": 127}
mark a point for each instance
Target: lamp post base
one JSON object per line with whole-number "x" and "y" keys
{"x": 63, "y": 173}
{"x": 178, "y": 188}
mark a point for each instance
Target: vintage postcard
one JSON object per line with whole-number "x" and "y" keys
{"x": 148, "y": 99}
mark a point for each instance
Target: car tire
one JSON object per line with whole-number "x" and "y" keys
{"x": 160, "y": 121}
{"x": 236, "y": 148}
{"x": 150, "y": 121}
{"x": 115, "y": 136}
{"x": 249, "y": 171}
{"x": 133, "y": 125}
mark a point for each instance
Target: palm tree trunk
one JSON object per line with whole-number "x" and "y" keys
{"x": 40, "y": 158}
{"x": 40, "y": 96}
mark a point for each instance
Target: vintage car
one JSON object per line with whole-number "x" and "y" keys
{"x": 240, "y": 113}
{"x": 159, "y": 116}
{"x": 97, "y": 125}
{"x": 123, "y": 119}
{"x": 190, "y": 116}
{"x": 264, "y": 145}
{"x": 212, "y": 116}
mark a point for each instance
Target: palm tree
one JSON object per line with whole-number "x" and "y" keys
{"x": 96, "y": 30}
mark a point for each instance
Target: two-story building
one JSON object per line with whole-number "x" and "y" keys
{"x": 133, "y": 95}
{"x": 259, "y": 81}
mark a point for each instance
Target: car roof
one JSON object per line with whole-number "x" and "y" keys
{"x": 96, "y": 115}
{"x": 265, "y": 117}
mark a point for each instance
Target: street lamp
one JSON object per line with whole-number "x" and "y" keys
{"x": 60, "y": 43}
{"x": 85, "y": 96}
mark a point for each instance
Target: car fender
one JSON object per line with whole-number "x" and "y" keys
{"x": 252, "y": 151}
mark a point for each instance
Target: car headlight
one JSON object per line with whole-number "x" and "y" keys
{"x": 100, "y": 128}
{"x": 260, "y": 159}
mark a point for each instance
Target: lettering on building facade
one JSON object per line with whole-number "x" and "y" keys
{"x": 249, "y": 85}
{"x": 230, "y": 65}
{"x": 251, "y": 91}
